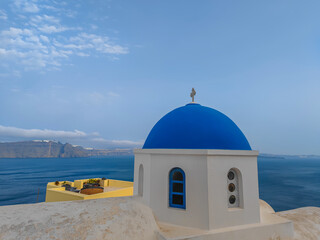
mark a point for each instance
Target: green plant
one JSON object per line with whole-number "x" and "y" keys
{"x": 56, "y": 183}
{"x": 92, "y": 181}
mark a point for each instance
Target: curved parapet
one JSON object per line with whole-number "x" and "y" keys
{"x": 265, "y": 207}
{"x": 306, "y": 222}
{"x": 111, "y": 218}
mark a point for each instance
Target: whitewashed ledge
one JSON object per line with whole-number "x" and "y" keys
{"x": 110, "y": 218}
{"x": 113, "y": 219}
{"x": 306, "y": 222}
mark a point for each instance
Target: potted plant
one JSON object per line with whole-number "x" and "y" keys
{"x": 66, "y": 185}
{"x": 92, "y": 186}
{"x": 91, "y": 183}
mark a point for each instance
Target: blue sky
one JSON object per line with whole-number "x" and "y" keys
{"x": 102, "y": 73}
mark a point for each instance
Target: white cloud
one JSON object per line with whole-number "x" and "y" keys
{"x": 42, "y": 44}
{"x": 113, "y": 94}
{"x": 34, "y": 51}
{"x": 9, "y": 75}
{"x": 84, "y": 41}
{"x": 74, "y": 137}
{"x": 48, "y": 7}
{"x": 127, "y": 143}
{"x": 44, "y": 18}
{"x": 96, "y": 98}
{"x": 38, "y": 133}
{"x": 26, "y": 6}
{"x": 44, "y": 38}
{"x": 14, "y": 32}
{"x": 30, "y": 7}
{"x": 3, "y": 15}
{"x": 11, "y": 53}
{"x": 94, "y": 27}
{"x": 119, "y": 143}
{"x": 81, "y": 54}
{"x": 52, "y": 29}
{"x": 100, "y": 43}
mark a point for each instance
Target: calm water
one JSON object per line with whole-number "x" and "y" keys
{"x": 284, "y": 183}
{"x": 289, "y": 183}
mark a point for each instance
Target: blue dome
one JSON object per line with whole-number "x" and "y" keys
{"x": 196, "y": 127}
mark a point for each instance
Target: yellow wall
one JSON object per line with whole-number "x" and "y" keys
{"x": 53, "y": 185}
{"x": 118, "y": 183}
{"x": 117, "y": 193}
{"x": 56, "y": 193}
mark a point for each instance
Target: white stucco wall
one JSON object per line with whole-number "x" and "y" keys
{"x": 196, "y": 212}
{"x": 156, "y": 187}
{"x": 220, "y": 214}
{"x": 143, "y": 159}
{"x": 206, "y": 186}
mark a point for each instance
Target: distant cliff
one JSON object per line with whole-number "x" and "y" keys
{"x": 51, "y": 149}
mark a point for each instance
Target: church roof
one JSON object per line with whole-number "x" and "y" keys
{"x": 196, "y": 127}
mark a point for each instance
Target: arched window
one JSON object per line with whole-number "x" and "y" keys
{"x": 177, "y": 188}
{"x": 140, "y": 183}
{"x": 234, "y": 188}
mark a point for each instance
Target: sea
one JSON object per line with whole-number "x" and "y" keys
{"x": 285, "y": 183}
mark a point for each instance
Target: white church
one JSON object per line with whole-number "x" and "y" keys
{"x": 198, "y": 174}
{"x": 195, "y": 178}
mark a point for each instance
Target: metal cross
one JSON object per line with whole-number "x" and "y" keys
{"x": 193, "y": 92}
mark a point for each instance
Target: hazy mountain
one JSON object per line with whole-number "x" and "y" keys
{"x": 52, "y": 149}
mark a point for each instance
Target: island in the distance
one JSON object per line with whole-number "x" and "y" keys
{"x": 53, "y": 149}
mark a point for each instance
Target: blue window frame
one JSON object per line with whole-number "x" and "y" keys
{"x": 177, "y": 188}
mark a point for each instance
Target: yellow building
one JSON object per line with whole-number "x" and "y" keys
{"x": 56, "y": 191}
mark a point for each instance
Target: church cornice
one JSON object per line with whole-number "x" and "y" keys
{"x": 207, "y": 152}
